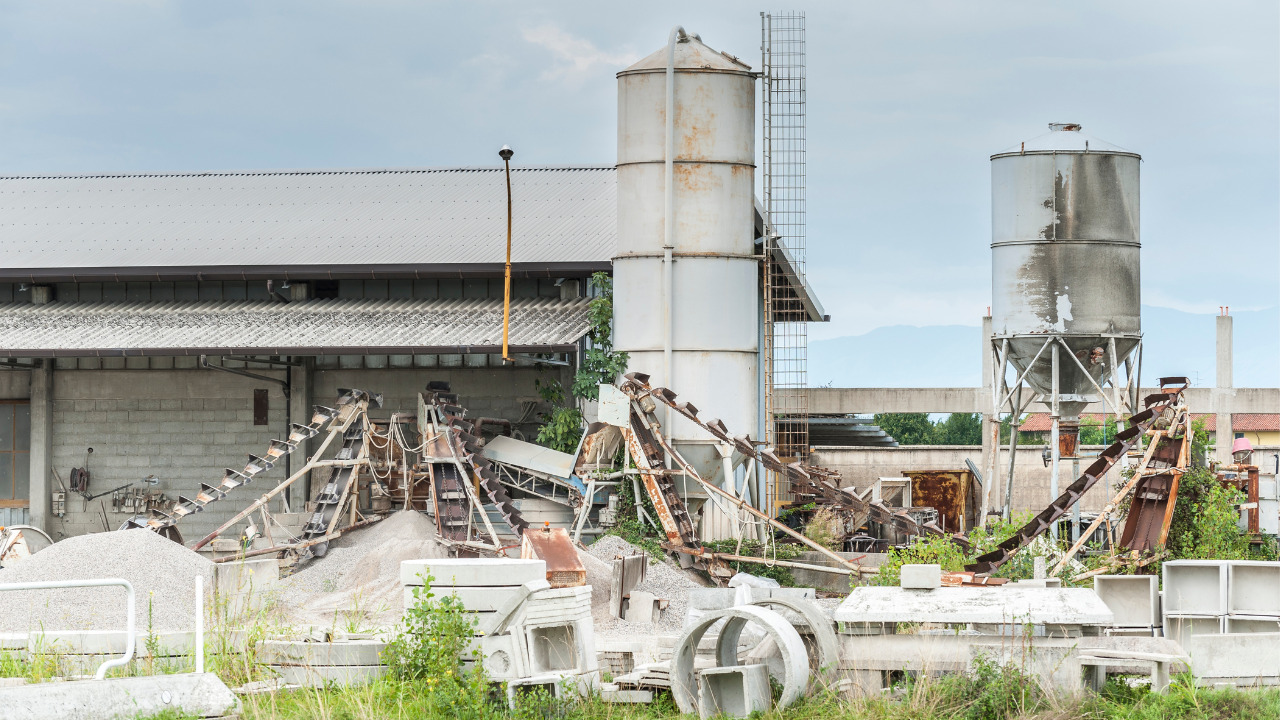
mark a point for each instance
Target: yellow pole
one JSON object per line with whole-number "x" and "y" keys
{"x": 506, "y": 154}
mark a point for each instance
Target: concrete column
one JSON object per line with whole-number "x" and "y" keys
{"x": 300, "y": 382}
{"x": 989, "y": 424}
{"x": 1223, "y": 392}
{"x": 41, "y": 457}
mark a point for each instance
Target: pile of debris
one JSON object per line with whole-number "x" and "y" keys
{"x": 357, "y": 582}
{"x": 162, "y": 573}
{"x": 663, "y": 579}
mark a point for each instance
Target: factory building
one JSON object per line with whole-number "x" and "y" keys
{"x": 157, "y": 328}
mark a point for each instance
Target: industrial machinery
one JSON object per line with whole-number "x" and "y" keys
{"x": 1065, "y": 308}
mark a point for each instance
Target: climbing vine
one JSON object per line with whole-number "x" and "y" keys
{"x": 562, "y": 425}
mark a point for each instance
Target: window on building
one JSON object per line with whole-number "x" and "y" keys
{"x": 1239, "y": 435}
{"x": 15, "y": 451}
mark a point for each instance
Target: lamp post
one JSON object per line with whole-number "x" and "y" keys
{"x": 505, "y": 153}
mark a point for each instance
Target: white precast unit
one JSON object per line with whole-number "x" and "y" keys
{"x": 686, "y": 292}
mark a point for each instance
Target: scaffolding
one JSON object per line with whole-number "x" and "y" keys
{"x": 786, "y": 345}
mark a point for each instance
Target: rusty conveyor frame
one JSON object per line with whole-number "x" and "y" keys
{"x": 1139, "y": 424}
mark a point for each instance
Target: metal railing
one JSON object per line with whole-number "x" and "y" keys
{"x": 103, "y": 582}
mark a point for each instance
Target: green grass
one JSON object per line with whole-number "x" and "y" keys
{"x": 949, "y": 698}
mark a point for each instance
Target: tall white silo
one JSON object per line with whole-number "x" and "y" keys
{"x": 1065, "y": 273}
{"x": 685, "y": 276}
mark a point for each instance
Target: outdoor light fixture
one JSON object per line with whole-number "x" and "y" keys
{"x": 505, "y": 153}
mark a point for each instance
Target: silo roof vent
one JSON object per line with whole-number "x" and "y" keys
{"x": 1064, "y": 138}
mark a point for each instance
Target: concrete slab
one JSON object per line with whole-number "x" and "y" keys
{"x": 962, "y": 605}
{"x": 734, "y": 692}
{"x": 109, "y": 642}
{"x": 921, "y": 577}
{"x": 322, "y": 675}
{"x": 473, "y": 572}
{"x": 203, "y": 695}
{"x": 231, "y": 578}
{"x": 1251, "y": 657}
{"x": 641, "y": 607}
{"x": 351, "y": 652}
{"x": 476, "y": 599}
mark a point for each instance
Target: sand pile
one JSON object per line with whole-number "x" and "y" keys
{"x": 356, "y": 585}
{"x": 664, "y": 579}
{"x": 162, "y": 573}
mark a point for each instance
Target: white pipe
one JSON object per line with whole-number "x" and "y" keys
{"x": 199, "y": 623}
{"x": 669, "y": 229}
{"x": 130, "y": 628}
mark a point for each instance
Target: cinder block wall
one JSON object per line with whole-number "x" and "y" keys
{"x": 183, "y": 426}
{"x": 186, "y": 426}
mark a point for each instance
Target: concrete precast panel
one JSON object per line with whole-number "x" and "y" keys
{"x": 708, "y": 208}
{"x": 713, "y": 300}
{"x": 1065, "y": 252}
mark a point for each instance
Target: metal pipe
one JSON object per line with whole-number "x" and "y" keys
{"x": 204, "y": 363}
{"x": 505, "y": 153}
{"x": 669, "y": 221}
{"x": 1015, "y": 422}
{"x": 130, "y": 627}
{"x": 1053, "y": 440}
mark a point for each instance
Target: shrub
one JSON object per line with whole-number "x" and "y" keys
{"x": 438, "y": 633}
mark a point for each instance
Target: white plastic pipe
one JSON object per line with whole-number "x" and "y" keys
{"x": 130, "y": 628}
{"x": 199, "y": 623}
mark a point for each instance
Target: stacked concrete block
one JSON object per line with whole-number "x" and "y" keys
{"x": 1195, "y": 598}
{"x": 482, "y": 585}
{"x": 1135, "y": 601}
{"x": 735, "y": 691}
{"x": 317, "y": 664}
{"x": 921, "y": 577}
{"x": 1211, "y": 597}
{"x": 529, "y": 634}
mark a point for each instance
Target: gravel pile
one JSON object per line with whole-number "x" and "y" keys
{"x": 162, "y": 573}
{"x": 358, "y": 580}
{"x": 664, "y": 579}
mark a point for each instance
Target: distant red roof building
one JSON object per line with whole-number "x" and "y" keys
{"x": 1240, "y": 422}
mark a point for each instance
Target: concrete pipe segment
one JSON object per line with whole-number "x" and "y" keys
{"x": 820, "y": 624}
{"x": 795, "y": 660}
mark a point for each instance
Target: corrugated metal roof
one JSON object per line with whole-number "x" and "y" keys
{"x": 330, "y": 217}
{"x": 337, "y": 327}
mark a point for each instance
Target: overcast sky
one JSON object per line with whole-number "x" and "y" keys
{"x": 906, "y": 103}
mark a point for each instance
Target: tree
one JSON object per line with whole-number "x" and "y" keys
{"x": 906, "y": 428}
{"x": 959, "y": 429}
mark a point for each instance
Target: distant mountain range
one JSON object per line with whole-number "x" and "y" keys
{"x": 1175, "y": 343}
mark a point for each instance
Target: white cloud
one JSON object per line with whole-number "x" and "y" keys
{"x": 578, "y": 58}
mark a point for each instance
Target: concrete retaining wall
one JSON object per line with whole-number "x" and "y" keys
{"x": 862, "y": 465}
